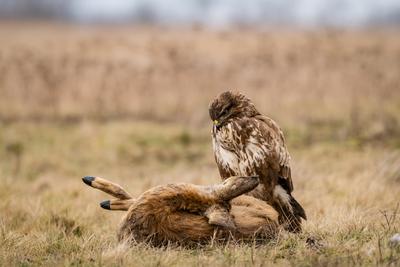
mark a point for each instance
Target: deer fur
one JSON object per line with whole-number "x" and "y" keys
{"x": 189, "y": 214}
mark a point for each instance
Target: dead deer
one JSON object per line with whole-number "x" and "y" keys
{"x": 190, "y": 214}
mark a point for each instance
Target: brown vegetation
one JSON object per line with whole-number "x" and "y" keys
{"x": 345, "y": 80}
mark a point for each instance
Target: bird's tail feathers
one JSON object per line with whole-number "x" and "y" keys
{"x": 298, "y": 210}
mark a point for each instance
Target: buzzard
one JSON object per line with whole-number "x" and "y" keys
{"x": 247, "y": 143}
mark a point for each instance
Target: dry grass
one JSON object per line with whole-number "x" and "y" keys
{"x": 131, "y": 105}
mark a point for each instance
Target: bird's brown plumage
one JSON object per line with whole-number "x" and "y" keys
{"x": 247, "y": 143}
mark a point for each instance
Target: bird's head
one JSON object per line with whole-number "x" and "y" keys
{"x": 229, "y": 105}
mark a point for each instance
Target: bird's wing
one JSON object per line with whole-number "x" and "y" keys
{"x": 279, "y": 155}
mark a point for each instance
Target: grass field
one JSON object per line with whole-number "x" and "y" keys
{"x": 130, "y": 105}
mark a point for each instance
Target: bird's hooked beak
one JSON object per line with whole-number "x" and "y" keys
{"x": 216, "y": 126}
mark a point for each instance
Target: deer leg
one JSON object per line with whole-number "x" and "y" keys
{"x": 220, "y": 216}
{"x": 117, "y": 204}
{"x": 106, "y": 186}
{"x": 232, "y": 187}
{"x": 235, "y": 186}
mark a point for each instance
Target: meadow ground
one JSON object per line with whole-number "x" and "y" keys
{"x": 130, "y": 105}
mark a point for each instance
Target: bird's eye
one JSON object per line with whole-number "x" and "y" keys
{"x": 225, "y": 111}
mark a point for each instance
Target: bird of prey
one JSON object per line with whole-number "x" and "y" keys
{"x": 246, "y": 143}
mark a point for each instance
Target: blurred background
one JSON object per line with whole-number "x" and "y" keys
{"x": 165, "y": 60}
{"x": 222, "y": 13}
{"x": 120, "y": 89}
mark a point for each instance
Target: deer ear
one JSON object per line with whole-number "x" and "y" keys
{"x": 220, "y": 216}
